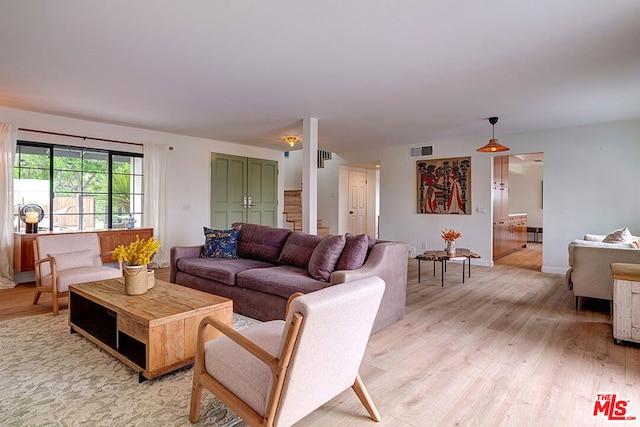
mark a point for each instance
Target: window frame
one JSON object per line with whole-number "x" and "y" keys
{"x": 111, "y": 154}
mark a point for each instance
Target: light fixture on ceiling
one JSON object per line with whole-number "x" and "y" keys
{"x": 291, "y": 140}
{"x": 493, "y": 145}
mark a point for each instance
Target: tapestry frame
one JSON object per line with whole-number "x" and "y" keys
{"x": 444, "y": 186}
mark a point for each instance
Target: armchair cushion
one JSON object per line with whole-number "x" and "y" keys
{"x": 70, "y": 260}
{"x": 81, "y": 275}
{"x": 239, "y": 370}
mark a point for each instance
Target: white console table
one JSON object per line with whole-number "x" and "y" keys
{"x": 626, "y": 302}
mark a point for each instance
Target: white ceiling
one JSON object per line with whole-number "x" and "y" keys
{"x": 375, "y": 73}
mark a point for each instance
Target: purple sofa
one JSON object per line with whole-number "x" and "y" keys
{"x": 273, "y": 263}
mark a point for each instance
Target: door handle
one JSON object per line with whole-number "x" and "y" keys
{"x": 244, "y": 202}
{"x": 250, "y": 205}
{"x": 350, "y": 212}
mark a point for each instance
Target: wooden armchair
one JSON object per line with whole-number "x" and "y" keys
{"x": 277, "y": 372}
{"x": 68, "y": 259}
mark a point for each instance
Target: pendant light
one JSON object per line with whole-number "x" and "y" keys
{"x": 493, "y": 145}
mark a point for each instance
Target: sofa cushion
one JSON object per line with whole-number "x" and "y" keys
{"x": 354, "y": 252}
{"x": 298, "y": 249}
{"x": 621, "y": 235}
{"x": 282, "y": 280}
{"x": 324, "y": 257}
{"x": 260, "y": 242}
{"x": 220, "y": 243}
{"x": 223, "y": 270}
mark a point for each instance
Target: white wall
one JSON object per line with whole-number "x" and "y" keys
{"x": 590, "y": 178}
{"x": 292, "y": 170}
{"x": 525, "y": 193}
{"x": 188, "y": 175}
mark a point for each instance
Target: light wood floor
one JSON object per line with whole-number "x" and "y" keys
{"x": 505, "y": 348}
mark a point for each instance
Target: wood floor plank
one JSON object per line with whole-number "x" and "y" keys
{"x": 505, "y": 348}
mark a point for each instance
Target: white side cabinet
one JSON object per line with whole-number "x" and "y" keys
{"x": 626, "y": 302}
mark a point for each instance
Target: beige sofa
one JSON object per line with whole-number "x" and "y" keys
{"x": 589, "y": 274}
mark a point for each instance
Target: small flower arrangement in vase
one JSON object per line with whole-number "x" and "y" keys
{"x": 450, "y": 236}
{"x": 136, "y": 255}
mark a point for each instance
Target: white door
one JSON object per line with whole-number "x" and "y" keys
{"x": 357, "y": 201}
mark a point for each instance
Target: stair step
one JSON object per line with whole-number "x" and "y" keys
{"x": 324, "y": 231}
{"x": 293, "y": 212}
{"x": 292, "y": 217}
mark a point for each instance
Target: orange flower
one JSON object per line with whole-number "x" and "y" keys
{"x": 450, "y": 235}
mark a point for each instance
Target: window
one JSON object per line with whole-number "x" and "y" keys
{"x": 78, "y": 188}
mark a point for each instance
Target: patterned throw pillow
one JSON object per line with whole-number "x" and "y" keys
{"x": 622, "y": 235}
{"x": 220, "y": 243}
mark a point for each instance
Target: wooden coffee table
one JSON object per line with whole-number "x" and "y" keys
{"x": 154, "y": 333}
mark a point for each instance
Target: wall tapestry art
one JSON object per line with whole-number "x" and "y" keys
{"x": 444, "y": 186}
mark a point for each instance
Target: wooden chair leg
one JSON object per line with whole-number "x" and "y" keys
{"x": 36, "y": 297}
{"x": 363, "y": 395}
{"x": 196, "y": 401}
{"x": 56, "y": 308}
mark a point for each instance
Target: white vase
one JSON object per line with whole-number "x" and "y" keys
{"x": 451, "y": 248}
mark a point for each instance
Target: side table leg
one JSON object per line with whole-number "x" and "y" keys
{"x": 434, "y": 268}
{"x": 418, "y": 270}
{"x": 443, "y": 267}
{"x": 464, "y": 261}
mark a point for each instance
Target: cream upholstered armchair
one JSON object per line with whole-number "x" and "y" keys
{"x": 66, "y": 259}
{"x": 277, "y": 372}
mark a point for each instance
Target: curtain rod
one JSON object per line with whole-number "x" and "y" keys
{"x": 80, "y": 136}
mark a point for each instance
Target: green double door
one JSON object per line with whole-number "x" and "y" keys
{"x": 243, "y": 189}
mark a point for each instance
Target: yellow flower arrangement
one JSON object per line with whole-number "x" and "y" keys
{"x": 139, "y": 252}
{"x": 450, "y": 235}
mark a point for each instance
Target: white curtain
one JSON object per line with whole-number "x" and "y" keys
{"x": 7, "y": 156}
{"x": 155, "y": 197}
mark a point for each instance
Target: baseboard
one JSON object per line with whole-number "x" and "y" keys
{"x": 554, "y": 270}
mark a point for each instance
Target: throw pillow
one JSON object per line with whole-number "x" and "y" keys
{"x": 324, "y": 257}
{"x": 70, "y": 260}
{"x": 220, "y": 243}
{"x": 622, "y": 235}
{"x": 354, "y": 253}
{"x": 298, "y": 249}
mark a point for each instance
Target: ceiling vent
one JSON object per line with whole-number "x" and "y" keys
{"x": 420, "y": 151}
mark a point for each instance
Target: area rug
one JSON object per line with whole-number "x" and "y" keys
{"x": 50, "y": 377}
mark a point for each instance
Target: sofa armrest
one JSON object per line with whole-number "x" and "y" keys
{"x": 178, "y": 252}
{"x": 387, "y": 260}
{"x": 590, "y": 274}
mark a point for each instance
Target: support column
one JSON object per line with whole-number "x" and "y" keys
{"x": 310, "y": 175}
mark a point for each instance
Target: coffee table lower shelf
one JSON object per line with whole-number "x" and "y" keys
{"x": 151, "y": 345}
